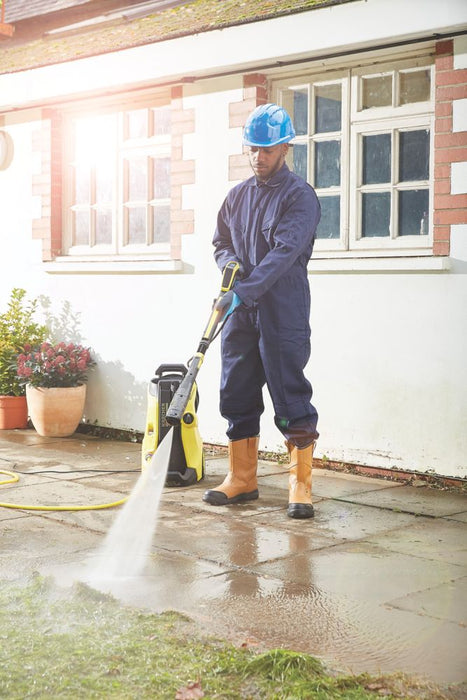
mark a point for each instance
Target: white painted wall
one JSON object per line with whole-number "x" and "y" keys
{"x": 388, "y": 348}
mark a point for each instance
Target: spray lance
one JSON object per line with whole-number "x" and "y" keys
{"x": 221, "y": 309}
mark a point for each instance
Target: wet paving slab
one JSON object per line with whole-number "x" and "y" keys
{"x": 417, "y": 500}
{"x": 377, "y": 581}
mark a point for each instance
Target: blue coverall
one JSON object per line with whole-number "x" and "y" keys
{"x": 269, "y": 228}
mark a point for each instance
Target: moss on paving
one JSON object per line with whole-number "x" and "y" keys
{"x": 78, "y": 643}
{"x": 192, "y": 18}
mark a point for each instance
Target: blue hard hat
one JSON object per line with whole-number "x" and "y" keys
{"x": 268, "y": 125}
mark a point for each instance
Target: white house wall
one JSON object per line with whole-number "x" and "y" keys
{"x": 388, "y": 348}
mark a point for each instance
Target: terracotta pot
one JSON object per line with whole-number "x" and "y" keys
{"x": 56, "y": 412}
{"x": 13, "y": 412}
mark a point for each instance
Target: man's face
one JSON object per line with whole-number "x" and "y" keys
{"x": 267, "y": 161}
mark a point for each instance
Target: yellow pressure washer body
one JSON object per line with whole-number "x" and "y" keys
{"x": 186, "y": 463}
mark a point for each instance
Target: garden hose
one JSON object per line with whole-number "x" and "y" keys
{"x": 14, "y": 478}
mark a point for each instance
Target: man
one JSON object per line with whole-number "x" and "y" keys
{"x": 267, "y": 224}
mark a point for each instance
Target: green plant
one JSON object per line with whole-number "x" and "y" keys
{"x": 54, "y": 365}
{"x": 18, "y": 328}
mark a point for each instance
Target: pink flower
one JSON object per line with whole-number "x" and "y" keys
{"x": 59, "y": 360}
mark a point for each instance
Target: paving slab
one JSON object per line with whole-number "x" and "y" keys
{"x": 445, "y": 602}
{"x": 420, "y": 501}
{"x": 360, "y": 571}
{"x": 233, "y": 542}
{"x": 30, "y": 544}
{"x": 344, "y": 521}
{"x": 439, "y": 539}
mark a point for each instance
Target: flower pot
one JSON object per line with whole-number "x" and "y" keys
{"x": 56, "y": 411}
{"x": 13, "y": 412}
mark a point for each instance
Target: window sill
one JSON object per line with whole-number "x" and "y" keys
{"x": 75, "y": 266}
{"x": 386, "y": 264}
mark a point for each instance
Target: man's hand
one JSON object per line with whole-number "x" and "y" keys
{"x": 228, "y": 303}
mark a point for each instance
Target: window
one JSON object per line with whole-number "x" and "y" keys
{"x": 364, "y": 142}
{"x": 117, "y": 199}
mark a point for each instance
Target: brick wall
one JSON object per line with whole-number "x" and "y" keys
{"x": 450, "y": 147}
{"x": 182, "y": 173}
{"x": 47, "y": 185}
{"x": 254, "y": 94}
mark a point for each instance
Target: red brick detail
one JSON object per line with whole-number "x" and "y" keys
{"x": 451, "y": 92}
{"x": 239, "y": 167}
{"x": 255, "y": 93}
{"x": 182, "y": 221}
{"x": 41, "y": 185}
{"x": 441, "y": 248}
{"x": 443, "y": 109}
{"x": 443, "y": 125}
{"x": 451, "y": 77}
{"x": 442, "y": 187}
{"x": 444, "y": 47}
{"x": 450, "y": 216}
{"x": 47, "y": 142}
{"x": 450, "y": 147}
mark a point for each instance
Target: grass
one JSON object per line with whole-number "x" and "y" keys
{"x": 78, "y": 643}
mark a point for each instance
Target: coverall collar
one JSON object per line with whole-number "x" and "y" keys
{"x": 275, "y": 180}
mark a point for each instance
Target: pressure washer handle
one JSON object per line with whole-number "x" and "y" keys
{"x": 178, "y": 404}
{"x": 219, "y": 313}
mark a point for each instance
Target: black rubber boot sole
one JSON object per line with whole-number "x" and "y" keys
{"x": 300, "y": 510}
{"x": 218, "y": 498}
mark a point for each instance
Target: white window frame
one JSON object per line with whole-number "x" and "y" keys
{"x": 356, "y": 123}
{"x": 152, "y": 147}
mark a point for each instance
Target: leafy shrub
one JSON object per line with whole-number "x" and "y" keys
{"x": 17, "y": 329}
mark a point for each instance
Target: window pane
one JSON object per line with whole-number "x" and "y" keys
{"x": 327, "y": 163}
{"x": 413, "y": 213}
{"x": 95, "y": 140}
{"x": 330, "y": 222}
{"x": 376, "y": 214}
{"x": 161, "y": 120}
{"x": 137, "y": 179}
{"x": 161, "y": 178}
{"x": 161, "y": 224}
{"x": 328, "y": 108}
{"x": 300, "y": 112}
{"x": 82, "y": 182}
{"x": 81, "y": 228}
{"x": 296, "y": 104}
{"x": 376, "y": 91}
{"x": 103, "y": 227}
{"x": 136, "y": 225}
{"x": 376, "y": 159}
{"x": 414, "y": 86}
{"x": 414, "y": 155}
{"x": 103, "y": 185}
{"x": 137, "y": 124}
{"x": 300, "y": 160}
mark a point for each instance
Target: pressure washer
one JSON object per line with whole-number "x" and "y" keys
{"x": 173, "y": 399}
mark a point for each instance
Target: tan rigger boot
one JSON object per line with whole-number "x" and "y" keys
{"x": 241, "y": 483}
{"x": 301, "y": 461}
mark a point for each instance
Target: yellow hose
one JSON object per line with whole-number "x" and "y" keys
{"x": 14, "y": 477}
